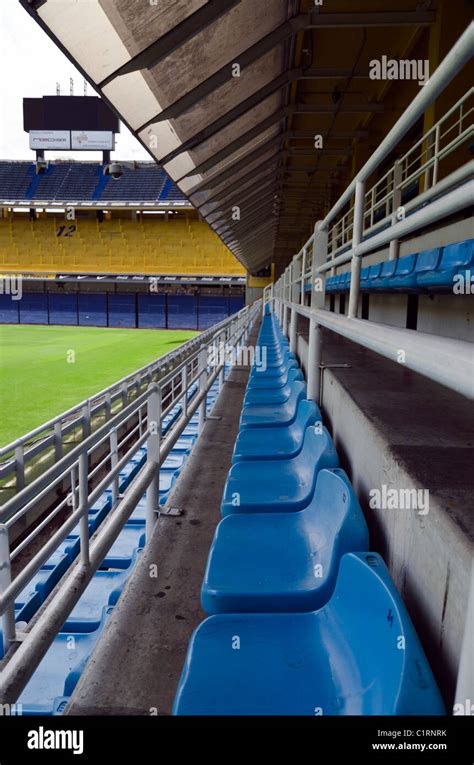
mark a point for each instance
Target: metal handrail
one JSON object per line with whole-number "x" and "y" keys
{"x": 41, "y": 631}
{"x": 439, "y": 198}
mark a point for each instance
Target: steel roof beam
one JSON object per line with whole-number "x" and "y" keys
{"x": 256, "y": 180}
{"x": 244, "y": 106}
{"x": 260, "y": 168}
{"x": 377, "y": 19}
{"x": 240, "y": 164}
{"x": 340, "y": 109}
{"x": 174, "y": 38}
{"x": 223, "y": 75}
{"x": 234, "y": 146}
{"x": 270, "y": 185}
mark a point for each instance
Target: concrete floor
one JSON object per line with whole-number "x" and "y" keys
{"x": 137, "y": 663}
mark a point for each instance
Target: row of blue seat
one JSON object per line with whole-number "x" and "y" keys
{"x": 304, "y": 619}
{"x": 436, "y": 269}
{"x": 54, "y": 680}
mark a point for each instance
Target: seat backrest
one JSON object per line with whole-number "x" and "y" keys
{"x": 307, "y": 414}
{"x": 375, "y": 270}
{"x": 388, "y": 268}
{"x": 458, "y": 254}
{"x": 336, "y": 506}
{"x": 406, "y": 265}
{"x": 318, "y": 450}
{"x": 428, "y": 260}
{"x": 390, "y": 673}
{"x": 364, "y": 274}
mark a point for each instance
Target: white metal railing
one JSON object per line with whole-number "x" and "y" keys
{"x": 364, "y": 221}
{"x": 186, "y": 385}
{"x": 419, "y": 166}
{"x": 25, "y": 457}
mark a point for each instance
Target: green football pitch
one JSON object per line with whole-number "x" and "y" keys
{"x": 45, "y": 370}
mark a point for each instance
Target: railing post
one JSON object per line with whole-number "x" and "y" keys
{"x": 202, "y": 370}
{"x": 396, "y": 202}
{"x": 108, "y": 405}
{"x": 314, "y": 361}
{"x": 8, "y": 617}
{"x": 86, "y": 419}
{"x": 294, "y": 297}
{"x": 124, "y": 395}
{"x": 184, "y": 389}
{"x": 113, "y": 464}
{"x": 83, "y": 504}
{"x": 153, "y": 456}
{"x": 356, "y": 239}
{"x": 20, "y": 467}
{"x": 58, "y": 441}
{"x": 222, "y": 344}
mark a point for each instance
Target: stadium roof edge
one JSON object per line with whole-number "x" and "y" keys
{"x": 267, "y": 65}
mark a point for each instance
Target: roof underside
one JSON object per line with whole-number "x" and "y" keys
{"x": 228, "y": 96}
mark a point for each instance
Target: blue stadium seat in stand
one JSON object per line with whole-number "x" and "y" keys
{"x": 382, "y": 281}
{"x": 273, "y": 415}
{"x": 426, "y": 263}
{"x": 456, "y": 260}
{"x": 279, "y": 486}
{"x": 57, "y": 674}
{"x": 373, "y": 275}
{"x": 265, "y": 562}
{"x": 270, "y": 396}
{"x": 404, "y": 277}
{"x": 120, "y": 555}
{"x": 357, "y": 655}
{"x": 103, "y": 590}
{"x": 261, "y": 382}
{"x": 276, "y": 443}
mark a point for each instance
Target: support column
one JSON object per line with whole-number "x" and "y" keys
{"x": 356, "y": 239}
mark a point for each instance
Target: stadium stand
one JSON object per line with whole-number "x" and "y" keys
{"x": 276, "y": 553}
{"x": 84, "y": 182}
{"x": 152, "y": 245}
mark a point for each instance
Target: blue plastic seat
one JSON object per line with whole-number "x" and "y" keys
{"x": 100, "y": 509}
{"x": 357, "y": 655}
{"x": 271, "y": 396}
{"x": 427, "y": 262}
{"x": 40, "y": 585}
{"x": 364, "y": 278}
{"x": 274, "y": 415}
{"x": 279, "y": 486}
{"x": 120, "y": 555}
{"x": 262, "y": 382}
{"x": 456, "y": 259}
{"x": 57, "y": 674}
{"x": 268, "y": 372}
{"x": 103, "y": 590}
{"x": 276, "y": 443}
{"x": 373, "y": 275}
{"x": 265, "y": 562}
{"x": 274, "y": 362}
{"x": 405, "y": 273}
{"x": 382, "y": 281}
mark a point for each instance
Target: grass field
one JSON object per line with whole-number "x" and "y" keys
{"x": 46, "y": 370}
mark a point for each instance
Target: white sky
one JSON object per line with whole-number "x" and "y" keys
{"x": 30, "y": 66}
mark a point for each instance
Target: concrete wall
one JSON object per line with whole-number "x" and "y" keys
{"x": 429, "y": 556}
